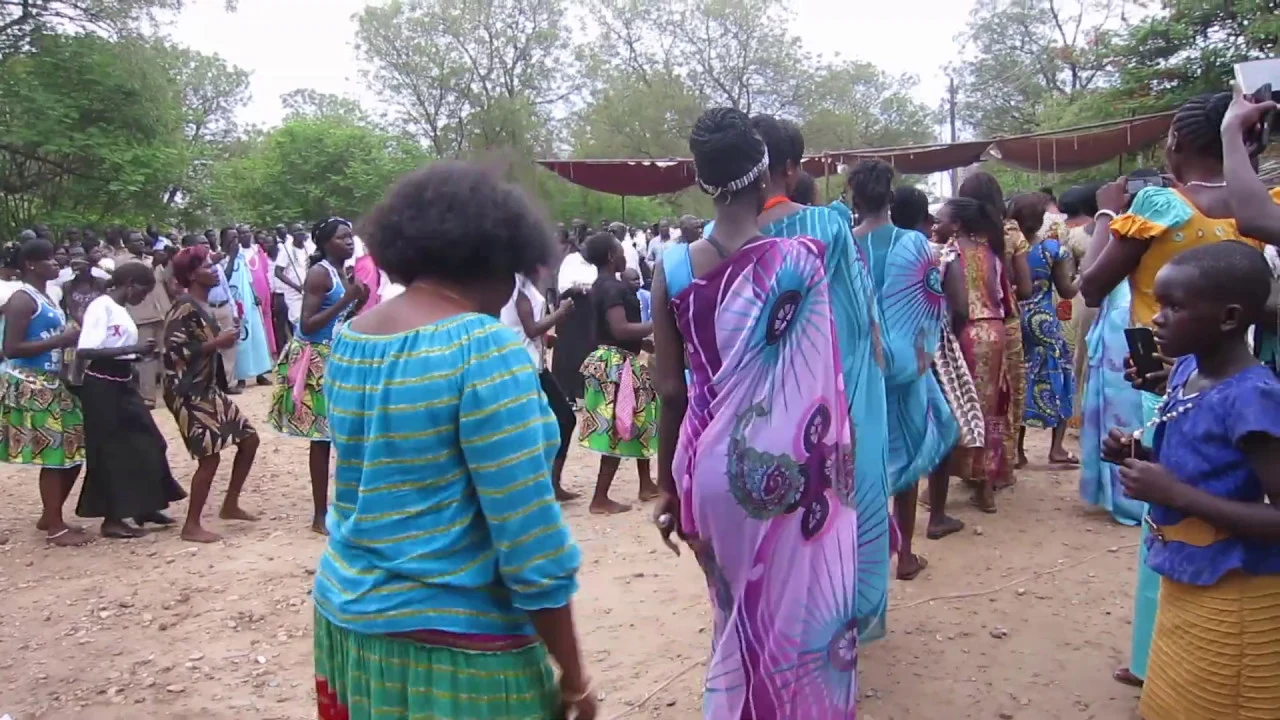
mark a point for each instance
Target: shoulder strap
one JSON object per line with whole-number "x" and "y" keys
{"x": 678, "y": 268}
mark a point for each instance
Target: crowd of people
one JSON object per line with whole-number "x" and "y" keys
{"x": 790, "y": 366}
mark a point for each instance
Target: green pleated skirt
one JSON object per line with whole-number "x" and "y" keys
{"x": 362, "y": 677}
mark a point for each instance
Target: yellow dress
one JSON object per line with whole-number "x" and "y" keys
{"x": 1170, "y": 225}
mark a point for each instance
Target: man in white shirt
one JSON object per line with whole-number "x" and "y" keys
{"x": 658, "y": 245}
{"x": 292, "y": 262}
{"x": 629, "y": 252}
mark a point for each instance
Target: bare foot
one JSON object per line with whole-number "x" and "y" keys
{"x": 317, "y": 526}
{"x": 1125, "y": 676}
{"x": 984, "y": 501}
{"x": 563, "y": 495}
{"x": 944, "y": 527}
{"x": 608, "y": 507}
{"x": 1022, "y": 461}
{"x": 236, "y": 513}
{"x": 911, "y": 566}
{"x": 70, "y": 537}
{"x": 43, "y": 526}
{"x": 198, "y": 534}
{"x": 649, "y": 491}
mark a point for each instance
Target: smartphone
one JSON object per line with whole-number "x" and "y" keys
{"x": 1268, "y": 122}
{"x": 1143, "y": 352}
{"x": 1133, "y": 185}
{"x": 1259, "y": 80}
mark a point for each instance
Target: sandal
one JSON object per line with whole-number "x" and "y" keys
{"x": 69, "y": 538}
{"x": 921, "y": 564}
{"x": 1070, "y": 459}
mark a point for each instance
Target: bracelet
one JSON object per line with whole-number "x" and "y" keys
{"x": 1108, "y": 213}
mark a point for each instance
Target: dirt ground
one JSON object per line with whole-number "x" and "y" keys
{"x": 1022, "y": 615}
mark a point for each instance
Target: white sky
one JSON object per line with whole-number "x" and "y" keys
{"x": 291, "y": 44}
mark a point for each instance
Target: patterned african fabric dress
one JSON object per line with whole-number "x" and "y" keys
{"x": 1015, "y": 375}
{"x": 620, "y": 407}
{"x": 908, "y": 283}
{"x": 298, "y": 406}
{"x": 195, "y": 382}
{"x": 982, "y": 342}
{"x": 765, "y": 471}
{"x": 41, "y": 422}
{"x": 1050, "y": 386}
{"x": 862, "y": 362}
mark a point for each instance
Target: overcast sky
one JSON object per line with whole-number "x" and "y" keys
{"x": 291, "y": 44}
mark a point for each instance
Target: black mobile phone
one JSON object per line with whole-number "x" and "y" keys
{"x": 1143, "y": 351}
{"x": 1268, "y": 121}
{"x": 1259, "y": 80}
{"x": 1133, "y": 185}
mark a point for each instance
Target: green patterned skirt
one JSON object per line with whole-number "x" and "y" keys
{"x": 621, "y": 417}
{"x": 362, "y": 677}
{"x": 301, "y": 411}
{"x": 40, "y": 420}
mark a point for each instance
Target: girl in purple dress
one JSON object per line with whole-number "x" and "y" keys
{"x": 755, "y": 454}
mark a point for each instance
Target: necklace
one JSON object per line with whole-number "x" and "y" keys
{"x": 774, "y": 202}
{"x": 1206, "y": 184}
{"x": 1184, "y": 406}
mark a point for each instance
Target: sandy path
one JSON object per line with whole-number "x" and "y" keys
{"x": 158, "y": 628}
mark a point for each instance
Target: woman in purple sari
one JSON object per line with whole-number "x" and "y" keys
{"x": 755, "y": 453}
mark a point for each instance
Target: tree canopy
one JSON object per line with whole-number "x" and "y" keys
{"x": 103, "y": 121}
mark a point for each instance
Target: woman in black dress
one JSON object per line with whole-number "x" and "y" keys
{"x": 128, "y": 472}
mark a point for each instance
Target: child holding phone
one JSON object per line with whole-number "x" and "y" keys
{"x": 1211, "y": 476}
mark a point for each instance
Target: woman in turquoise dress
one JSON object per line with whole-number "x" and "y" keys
{"x": 862, "y": 356}
{"x": 1050, "y": 387}
{"x": 907, "y": 279}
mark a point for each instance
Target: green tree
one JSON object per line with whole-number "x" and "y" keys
{"x": 92, "y": 130}
{"x": 212, "y": 92}
{"x": 309, "y": 168}
{"x": 468, "y": 75}
{"x": 308, "y": 103}
{"x": 1189, "y": 48}
{"x": 854, "y": 105}
{"x": 1022, "y": 54}
{"x": 23, "y": 20}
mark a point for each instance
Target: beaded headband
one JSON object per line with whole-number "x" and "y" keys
{"x": 740, "y": 183}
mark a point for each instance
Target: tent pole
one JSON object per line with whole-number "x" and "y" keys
{"x": 624, "y": 208}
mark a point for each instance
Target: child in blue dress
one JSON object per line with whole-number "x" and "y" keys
{"x": 1211, "y": 476}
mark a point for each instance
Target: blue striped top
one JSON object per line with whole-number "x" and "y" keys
{"x": 443, "y": 516}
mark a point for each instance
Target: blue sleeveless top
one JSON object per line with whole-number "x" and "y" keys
{"x": 47, "y": 321}
{"x": 331, "y": 298}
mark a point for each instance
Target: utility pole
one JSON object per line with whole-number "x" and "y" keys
{"x": 951, "y": 104}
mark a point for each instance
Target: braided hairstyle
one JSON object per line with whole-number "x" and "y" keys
{"x": 726, "y": 149}
{"x": 784, "y": 140}
{"x": 321, "y": 233}
{"x": 1197, "y": 125}
{"x": 979, "y": 219}
{"x": 871, "y": 186}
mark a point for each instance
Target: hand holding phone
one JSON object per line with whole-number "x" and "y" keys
{"x": 1147, "y": 369}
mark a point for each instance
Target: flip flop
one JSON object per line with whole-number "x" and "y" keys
{"x": 921, "y": 563}
{"x": 1069, "y": 460}
{"x": 1125, "y": 676}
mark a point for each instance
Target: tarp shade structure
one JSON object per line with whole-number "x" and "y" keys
{"x": 1051, "y": 152}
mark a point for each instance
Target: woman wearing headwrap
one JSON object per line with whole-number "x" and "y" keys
{"x": 299, "y": 408}
{"x": 195, "y": 391}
